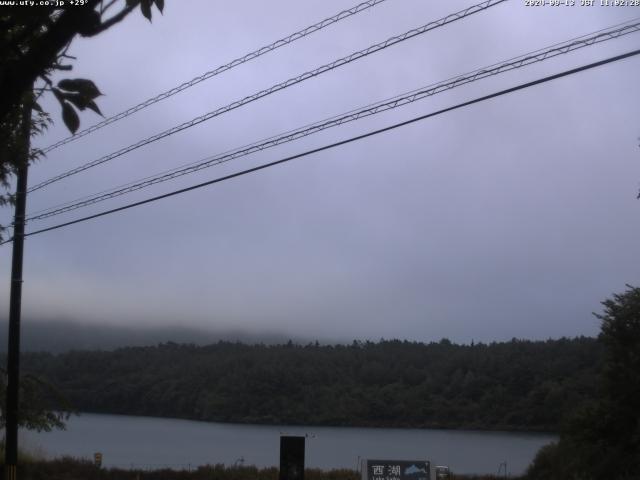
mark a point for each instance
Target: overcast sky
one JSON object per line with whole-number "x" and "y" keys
{"x": 510, "y": 218}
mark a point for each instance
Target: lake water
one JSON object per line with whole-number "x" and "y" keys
{"x": 144, "y": 442}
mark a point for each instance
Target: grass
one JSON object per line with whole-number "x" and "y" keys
{"x": 67, "y": 468}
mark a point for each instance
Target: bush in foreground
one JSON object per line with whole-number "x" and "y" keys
{"x": 602, "y": 439}
{"x": 73, "y": 469}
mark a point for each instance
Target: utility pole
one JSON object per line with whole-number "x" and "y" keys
{"x": 15, "y": 302}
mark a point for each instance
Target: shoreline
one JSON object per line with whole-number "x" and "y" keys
{"x": 470, "y": 429}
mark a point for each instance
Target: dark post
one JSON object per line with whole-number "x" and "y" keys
{"x": 291, "y": 458}
{"x": 13, "y": 356}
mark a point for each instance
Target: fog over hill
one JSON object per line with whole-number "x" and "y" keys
{"x": 57, "y": 336}
{"x": 63, "y": 335}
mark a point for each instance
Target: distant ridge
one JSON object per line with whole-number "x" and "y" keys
{"x": 58, "y": 336}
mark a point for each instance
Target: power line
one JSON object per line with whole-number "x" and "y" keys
{"x": 280, "y": 86}
{"x": 588, "y": 39}
{"x": 217, "y": 71}
{"x": 342, "y": 142}
{"x": 385, "y": 105}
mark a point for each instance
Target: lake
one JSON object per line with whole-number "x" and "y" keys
{"x": 146, "y": 442}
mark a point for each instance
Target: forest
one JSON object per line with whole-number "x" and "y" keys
{"x": 515, "y": 385}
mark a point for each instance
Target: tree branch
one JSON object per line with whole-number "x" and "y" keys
{"x": 117, "y": 18}
{"x": 22, "y": 72}
{"x": 106, "y": 7}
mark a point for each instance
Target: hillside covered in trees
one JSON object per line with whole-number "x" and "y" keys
{"x": 517, "y": 385}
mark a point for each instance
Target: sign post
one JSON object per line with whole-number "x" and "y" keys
{"x": 291, "y": 458}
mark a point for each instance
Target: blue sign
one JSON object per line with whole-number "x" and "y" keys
{"x": 398, "y": 470}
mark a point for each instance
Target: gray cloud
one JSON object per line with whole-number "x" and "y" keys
{"x": 514, "y": 217}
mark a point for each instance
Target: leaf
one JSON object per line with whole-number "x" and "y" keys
{"x": 132, "y": 3}
{"x": 81, "y": 102}
{"x": 76, "y": 99}
{"x": 145, "y": 6}
{"x": 92, "y": 106}
{"x": 81, "y": 85}
{"x": 160, "y": 5}
{"x": 70, "y": 117}
{"x": 90, "y": 23}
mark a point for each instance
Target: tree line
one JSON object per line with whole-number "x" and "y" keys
{"x": 516, "y": 385}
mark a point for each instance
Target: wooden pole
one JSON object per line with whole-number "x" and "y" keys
{"x": 15, "y": 302}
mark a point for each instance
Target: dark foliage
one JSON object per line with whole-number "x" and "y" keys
{"x": 519, "y": 385}
{"x": 43, "y": 408}
{"x": 34, "y": 40}
{"x": 73, "y": 469}
{"x": 602, "y": 439}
